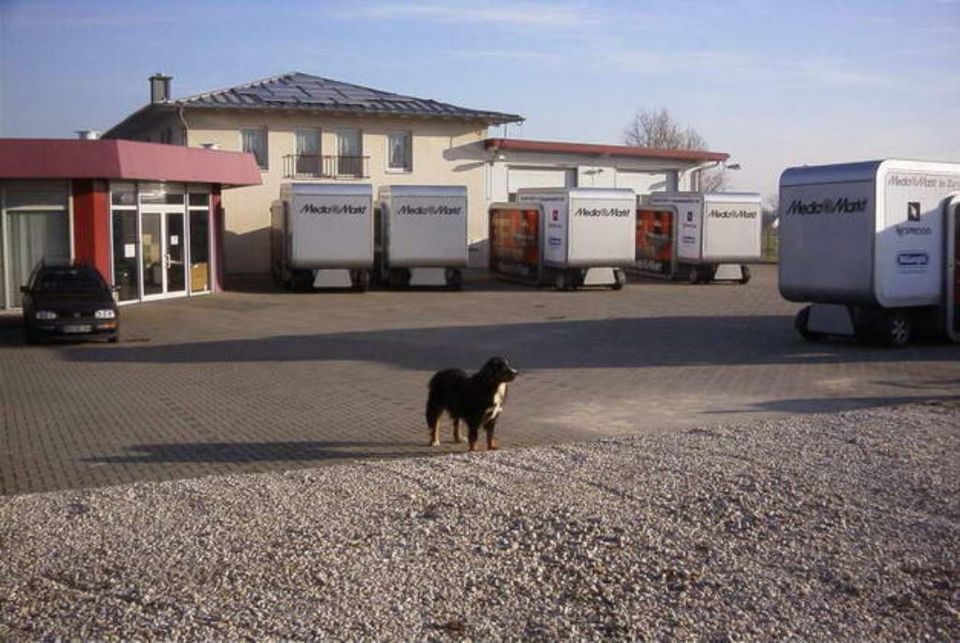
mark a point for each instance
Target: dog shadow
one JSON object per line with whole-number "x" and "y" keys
{"x": 297, "y": 451}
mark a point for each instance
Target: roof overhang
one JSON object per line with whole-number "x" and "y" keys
{"x": 123, "y": 160}
{"x": 590, "y": 149}
{"x": 153, "y": 113}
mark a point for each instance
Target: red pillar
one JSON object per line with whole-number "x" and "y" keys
{"x": 91, "y": 224}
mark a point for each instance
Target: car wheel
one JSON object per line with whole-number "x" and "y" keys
{"x": 31, "y": 337}
{"x": 113, "y": 339}
{"x": 802, "y": 323}
{"x": 896, "y": 329}
{"x": 745, "y": 274}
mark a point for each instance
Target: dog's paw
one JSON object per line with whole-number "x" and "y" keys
{"x": 459, "y": 440}
{"x": 434, "y": 443}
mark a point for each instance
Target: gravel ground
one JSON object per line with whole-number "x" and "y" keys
{"x": 815, "y": 527}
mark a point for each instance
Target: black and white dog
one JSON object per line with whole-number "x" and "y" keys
{"x": 476, "y": 399}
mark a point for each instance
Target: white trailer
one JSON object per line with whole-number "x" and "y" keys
{"x": 423, "y": 235}
{"x": 322, "y": 235}
{"x": 586, "y": 235}
{"x": 714, "y": 233}
{"x": 873, "y": 247}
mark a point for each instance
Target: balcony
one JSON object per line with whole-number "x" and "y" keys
{"x": 312, "y": 166}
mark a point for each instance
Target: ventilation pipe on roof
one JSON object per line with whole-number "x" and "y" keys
{"x": 88, "y": 134}
{"x": 160, "y": 88}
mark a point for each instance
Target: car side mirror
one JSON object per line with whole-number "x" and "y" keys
{"x": 25, "y": 289}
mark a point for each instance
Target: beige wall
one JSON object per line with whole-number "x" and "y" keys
{"x": 247, "y": 209}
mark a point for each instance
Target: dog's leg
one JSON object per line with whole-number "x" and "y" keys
{"x": 473, "y": 430}
{"x": 434, "y": 411}
{"x": 457, "y": 436}
{"x": 491, "y": 441}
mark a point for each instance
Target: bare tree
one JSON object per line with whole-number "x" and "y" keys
{"x": 713, "y": 180}
{"x": 657, "y": 129}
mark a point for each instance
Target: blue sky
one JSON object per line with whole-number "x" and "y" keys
{"x": 773, "y": 83}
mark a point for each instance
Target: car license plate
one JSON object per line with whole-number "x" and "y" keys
{"x": 77, "y": 328}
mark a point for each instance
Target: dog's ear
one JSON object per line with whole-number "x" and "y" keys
{"x": 492, "y": 368}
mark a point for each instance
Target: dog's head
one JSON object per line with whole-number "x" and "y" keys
{"x": 498, "y": 370}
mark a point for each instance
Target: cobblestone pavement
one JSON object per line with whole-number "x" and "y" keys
{"x": 260, "y": 380}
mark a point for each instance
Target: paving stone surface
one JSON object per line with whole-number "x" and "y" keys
{"x": 257, "y": 380}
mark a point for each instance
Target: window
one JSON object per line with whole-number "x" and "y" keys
{"x": 399, "y": 152}
{"x": 349, "y": 153}
{"x": 199, "y": 241}
{"x": 161, "y": 193}
{"x": 35, "y": 236}
{"x": 308, "y": 151}
{"x": 36, "y": 227}
{"x": 255, "y": 142}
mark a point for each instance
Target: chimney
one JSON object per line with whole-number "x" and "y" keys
{"x": 88, "y": 134}
{"x": 159, "y": 88}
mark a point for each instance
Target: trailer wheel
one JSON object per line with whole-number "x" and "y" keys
{"x": 454, "y": 279}
{"x": 745, "y": 274}
{"x": 693, "y": 275}
{"x": 896, "y": 329}
{"x": 561, "y": 283}
{"x": 393, "y": 278}
{"x": 802, "y": 323}
{"x": 361, "y": 280}
{"x": 619, "y": 279}
{"x": 302, "y": 281}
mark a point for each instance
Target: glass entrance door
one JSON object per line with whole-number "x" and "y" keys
{"x": 163, "y": 243}
{"x": 176, "y": 259}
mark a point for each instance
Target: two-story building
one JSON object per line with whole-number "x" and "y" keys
{"x": 306, "y": 128}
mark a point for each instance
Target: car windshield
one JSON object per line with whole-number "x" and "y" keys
{"x": 69, "y": 280}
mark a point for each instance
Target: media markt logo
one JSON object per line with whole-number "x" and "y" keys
{"x": 603, "y": 212}
{"x": 346, "y": 208}
{"x": 732, "y": 214}
{"x": 430, "y": 209}
{"x": 842, "y": 205}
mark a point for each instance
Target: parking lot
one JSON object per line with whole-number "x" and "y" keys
{"x": 255, "y": 380}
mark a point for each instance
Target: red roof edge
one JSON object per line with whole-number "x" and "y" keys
{"x": 33, "y": 158}
{"x": 558, "y": 147}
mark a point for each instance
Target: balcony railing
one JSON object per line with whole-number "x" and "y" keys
{"x": 312, "y": 166}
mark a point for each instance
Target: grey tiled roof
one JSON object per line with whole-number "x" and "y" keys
{"x": 297, "y": 90}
